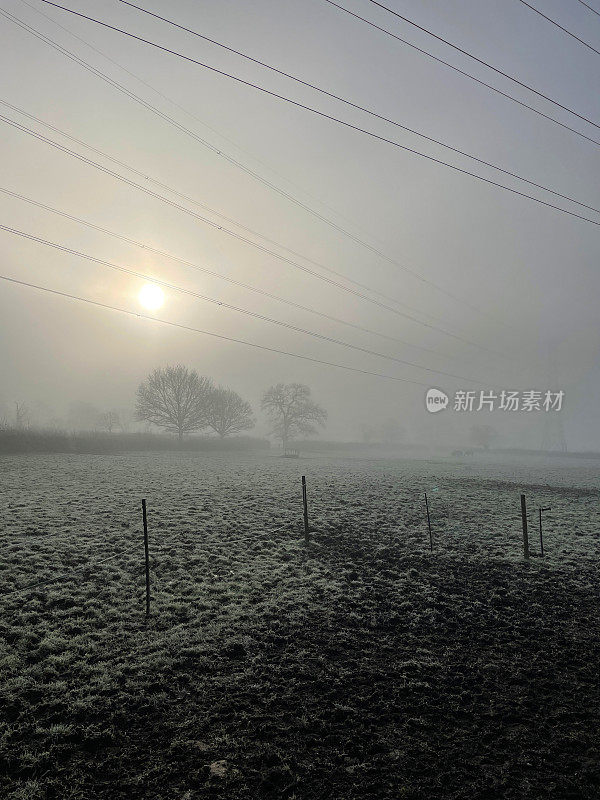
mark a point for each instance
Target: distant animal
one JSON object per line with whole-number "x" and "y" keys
{"x": 460, "y": 453}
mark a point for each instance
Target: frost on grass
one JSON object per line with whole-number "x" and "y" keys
{"x": 363, "y": 666}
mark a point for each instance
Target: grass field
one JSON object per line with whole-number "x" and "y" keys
{"x": 363, "y": 666}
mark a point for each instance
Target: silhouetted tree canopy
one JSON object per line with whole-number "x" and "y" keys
{"x": 228, "y": 413}
{"x": 176, "y": 399}
{"x": 291, "y": 411}
{"x": 109, "y": 421}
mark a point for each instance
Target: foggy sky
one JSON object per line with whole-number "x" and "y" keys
{"x": 532, "y": 271}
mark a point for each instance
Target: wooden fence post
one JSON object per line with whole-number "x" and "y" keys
{"x": 305, "y": 504}
{"x": 541, "y": 538}
{"x": 429, "y": 524}
{"x": 524, "y": 521}
{"x": 147, "y": 558}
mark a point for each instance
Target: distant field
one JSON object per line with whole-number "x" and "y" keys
{"x": 363, "y": 667}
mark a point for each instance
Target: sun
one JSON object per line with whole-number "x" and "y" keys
{"x": 151, "y": 296}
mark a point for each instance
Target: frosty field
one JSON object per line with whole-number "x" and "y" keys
{"x": 363, "y": 666}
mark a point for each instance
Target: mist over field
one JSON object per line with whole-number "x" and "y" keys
{"x": 299, "y": 400}
{"x": 522, "y": 277}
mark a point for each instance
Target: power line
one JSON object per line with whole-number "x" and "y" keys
{"x": 192, "y": 134}
{"x": 198, "y": 138}
{"x": 215, "y": 274}
{"x": 558, "y": 25}
{"x": 324, "y": 115}
{"x": 174, "y": 287}
{"x": 236, "y": 235}
{"x": 276, "y": 188}
{"x": 219, "y": 152}
{"x": 369, "y": 111}
{"x": 462, "y": 72}
{"x": 206, "y": 333}
{"x": 198, "y": 216}
{"x": 478, "y": 60}
{"x": 593, "y": 10}
{"x": 192, "y": 200}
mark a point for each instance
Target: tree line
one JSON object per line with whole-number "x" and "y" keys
{"x": 180, "y": 401}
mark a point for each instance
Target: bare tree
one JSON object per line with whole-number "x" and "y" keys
{"x": 109, "y": 421}
{"x": 291, "y": 411}
{"x": 228, "y": 413}
{"x": 22, "y": 416}
{"x": 126, "y": 419}
{"x": 174, "y": 398}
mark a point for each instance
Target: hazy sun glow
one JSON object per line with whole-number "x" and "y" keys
{"x": 151, "y": 296}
